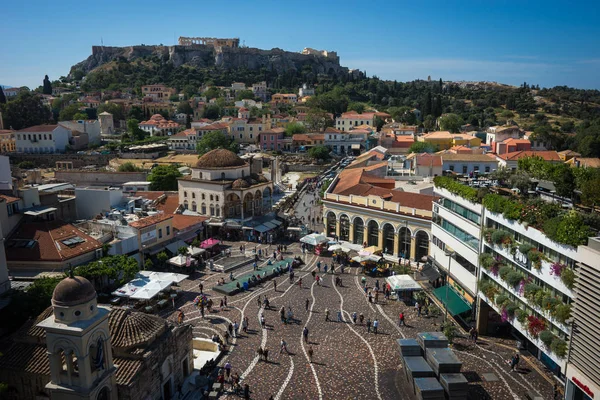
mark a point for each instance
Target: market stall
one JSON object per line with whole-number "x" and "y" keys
{"x": 404, "y": 286}
{"x": 316, "y": 242}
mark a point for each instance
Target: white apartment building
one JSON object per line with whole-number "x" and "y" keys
{"x": 42, "y": 139}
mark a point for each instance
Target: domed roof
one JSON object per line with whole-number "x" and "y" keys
{"x": 239, "y": 184}
{"x": 219, "y": 158}
{"x": 132, "y": 329}
{"x": 73, "y": 291}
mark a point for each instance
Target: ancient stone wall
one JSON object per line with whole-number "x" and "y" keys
{"x": 49, "y": 160}
{"x": 104, "y": 178}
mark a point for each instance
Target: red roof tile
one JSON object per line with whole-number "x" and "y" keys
{"x": 154, "y": 219}
{"x": 181, "y": 222}
{"x": 9, "y": 199}
{"x": 49, "y": 243}
{"x": 549, "y": 155}
{"x": 39, "y": 128}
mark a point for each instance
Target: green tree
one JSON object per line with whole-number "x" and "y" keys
{"x": 182, "y": 251}
{"x": 185, "y": 108}
{"x": 136, "y": 113}
{"x": 212, "y": 111}
{"x": 216, "y": 140}
{"x": 212, "y": 93}
{"x": 129, "y": 167}
{"x": 134, "y": 130}
{"x": 68, "y": 113}
{"x": 317, "y": 120}
{"x": 115, "y": 109}
{"x": 451, "y": 122}
{"x": 294, "y": 128}
{"x": 245, "y": 95}
{"x": 190, "y": 91}
{"x": 164, "y": 177}
{"x": 319, "y": 153}
{"x": 47, "y": 88}
{"x": 26, "y": 110}
{"x": 2, "y": 96}
{"x": 356, "y": 106}
{"x": 80, "y": 116}
{"x": 422, "y": 147}
{"x": 109, "y": 271}
{"x": 162, "y": 258}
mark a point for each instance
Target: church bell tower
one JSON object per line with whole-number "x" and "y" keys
{"x": 78, "y": 341}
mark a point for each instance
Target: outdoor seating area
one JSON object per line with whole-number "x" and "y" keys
{"x": 244, "y": 281}
{"x": 149, "y": 291}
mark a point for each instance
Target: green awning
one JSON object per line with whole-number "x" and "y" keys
{"x": 455, "y": 304}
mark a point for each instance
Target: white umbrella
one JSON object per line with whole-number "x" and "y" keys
{"x": 335, "y": 247}
{"x": 145, "y": 294}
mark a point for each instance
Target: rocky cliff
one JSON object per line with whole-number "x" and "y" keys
{"x": 203, "y": 56}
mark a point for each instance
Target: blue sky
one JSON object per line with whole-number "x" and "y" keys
{"x": 542, "y": 42}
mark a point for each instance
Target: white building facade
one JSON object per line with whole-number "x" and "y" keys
{"x": 42, "y": 139}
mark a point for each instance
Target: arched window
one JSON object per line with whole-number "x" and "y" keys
{"x": 193, "y": 195}
{"x": 359, "y": 231}
{"x": 200, "y": 175}
{"x": 216, "y": 198}
{"x": 185, "y": 204}
{"x": 422, "y": 239}
{"x": 203, "y": 196}
{"x": 373, "y": 237}
{"x": 211, "y": 198}
{"x": 388, "y": 238}
{"x": 331, "y": 224}
{"x": 194, "y": 207}
{"x": 212, "y": 210}
{"x": 344, "y": 227}
{"x": 218, "y": 211}
{"x": 203, "y": 209}
{"x": 404, "y": 242}
{"x": 184, "y": 194}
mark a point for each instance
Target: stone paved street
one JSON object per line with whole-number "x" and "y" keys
{"x": 349, "y": 363}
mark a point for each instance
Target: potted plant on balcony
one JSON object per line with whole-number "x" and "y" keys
{"x": 567, "y": 276}
{"x": 535, "y": 257}
{"x": 521, "y": 315}
{"x": 511, "y": 309}
{"x": 514, "y": 278}
{"x": 535, "y": 326}
{"x": 561, "y": 312}
{"x": 559, "y": 347}
{"x": 546, "y": 337}
{"x": 487, "y": 234}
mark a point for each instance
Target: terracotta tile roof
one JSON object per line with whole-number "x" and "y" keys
{"x": 564, "y": 152}
{"x": 585, "y": 162}
{"x": 127, "y": 370}
{"x": 330, "y": 129}
{"x": 355, "y": 115}
{"x": 275, "y": 131}
{"x": 168, "y": 204}
{"x": 6, "y": 131}
{"x": 426, "y": 159}
{"x": 516, "y": 141}
{"x": 133, "y": 329}
{"x": 181, "y": 222}
{"x": 9, "y": 199}
{"x": 300, "y": 137}
{"x": 413, "y": 200}
{"x": 154, "y": 219}
{"x": 26, "y": 357}
{"x": 48, "y": 246}
{"x": 549, "y": 155}
{"x": 39, "y": 128}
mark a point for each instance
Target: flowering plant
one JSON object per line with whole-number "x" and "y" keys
{"x": 535, "y": 325}
{"x": 494, "y": 269}
{"x": 504, "y": 315}
{"x": 557, "y": 268}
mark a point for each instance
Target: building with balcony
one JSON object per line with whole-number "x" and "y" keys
{"x": 7, "y": 141}
{"x": 522, "y": 276}
{"x": 363, "y": 208}
{"x": 349, "y": 142}
{"x": 583, "y": 369}
{"x": 158, "y": 92}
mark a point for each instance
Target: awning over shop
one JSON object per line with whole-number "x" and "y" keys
{"x": 270, "y": 225}
{"x": 174, "y": 247}
{"x": 216, "y": 224}
{"x": 276, "y": 222}
{"x": 391, "y": 258}
{"x": 453, "y": 302}
{"x": 294, "y": 228}
{"x": 261, "y": 228}
{"x": 356, "y": 147}
{"x": 429, "y": 272}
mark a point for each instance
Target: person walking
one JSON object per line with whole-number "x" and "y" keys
{"x": 339, "y": 316}
{"x": 515, "y": 362}
{"x": 375, "y": 325}
{"x": 180, "y": 317}
{"x": 305, "y": 334}
{"x": 274, "y": 285}
{"x": 283, "y": 347}
{"x": 201, "y": 287}
{"x": 326, "y": 314}
{"x": 225, "y": 301}
{"x": 325, "y": 269}
{"x": 354, "y": 316}
{"x": 306, "y": 304}
{"x": 245, "y": 323}
{"x": 310, "y": 354}
{"x": 401, "y": 319}
{"x": 263, "y": 323}
{"x": 246, "y": 391}
{"x": 361, "y": 318}
{"x": 236, "y": 326}
{"x": 266, "y": 354}
{"x": 221, "y": 305}
{"x": 368, "y": 325}
{"x": 227, "y": 370}
{"x": 319, "y": 266}
{"x": 259, "y": 301}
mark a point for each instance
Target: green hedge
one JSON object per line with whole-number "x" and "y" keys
{"x": 456, "y": 188}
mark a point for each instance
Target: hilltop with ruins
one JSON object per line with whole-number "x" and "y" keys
{"x": 206, "y": 52}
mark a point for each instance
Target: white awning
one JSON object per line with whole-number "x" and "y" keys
{"x": 216, "y": 224}
{"x": 314, "y": 239}
{"x": 403, "y": 282}
{"x": 294, "y": 228}
{"x": 356, "y": 147}
{"x": 391, "y": 258}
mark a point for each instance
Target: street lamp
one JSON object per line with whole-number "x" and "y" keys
{"x": 449, "y": 252}
{"x": 406, "y": 250}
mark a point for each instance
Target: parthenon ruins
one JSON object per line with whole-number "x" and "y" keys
{"x": 215, "y": 42}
